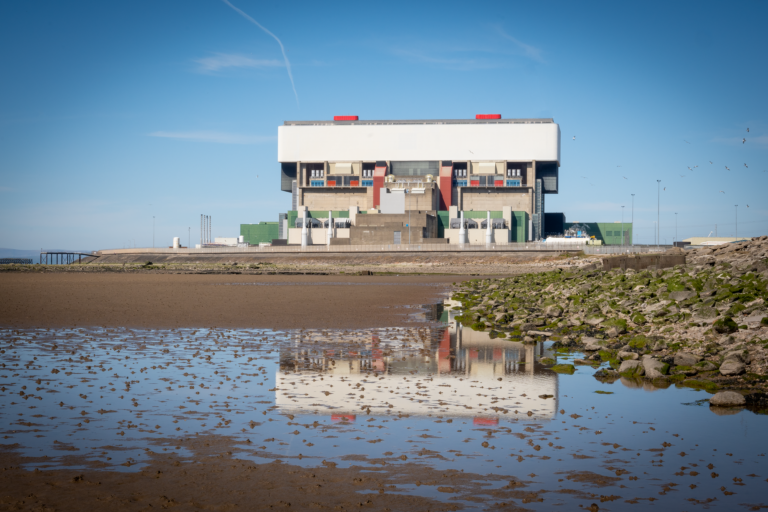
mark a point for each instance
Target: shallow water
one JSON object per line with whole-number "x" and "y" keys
{"x": 441, "y": 395}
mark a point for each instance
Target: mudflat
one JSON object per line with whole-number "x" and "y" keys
{"x": 233, "y": 301}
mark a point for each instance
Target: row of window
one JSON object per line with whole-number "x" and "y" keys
{"x": 488, "y": 181}
{"x": 615, "y": 233}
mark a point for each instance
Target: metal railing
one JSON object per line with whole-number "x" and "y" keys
{"x": 510, "y": 247}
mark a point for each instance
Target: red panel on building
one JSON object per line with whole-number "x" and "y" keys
{"x": 474, "y": 183}
{"x": 488, "y": 116}
{"x": 379, "y": 173}
{"x": 345, "y": 118}
{"x": 485, "y": 421}
{"x": 446, "y": 182}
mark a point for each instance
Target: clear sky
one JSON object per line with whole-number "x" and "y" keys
{"x": 114, "y": 112}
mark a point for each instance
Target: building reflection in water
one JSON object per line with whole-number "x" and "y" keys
{"x": 448, "y": 371}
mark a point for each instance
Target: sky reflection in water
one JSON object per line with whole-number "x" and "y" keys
{"x": 445, "y": 396}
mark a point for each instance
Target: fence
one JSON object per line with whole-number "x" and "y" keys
{"x": 512, "y": 247}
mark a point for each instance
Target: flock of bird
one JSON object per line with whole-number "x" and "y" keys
{"x": 743, "y": 141}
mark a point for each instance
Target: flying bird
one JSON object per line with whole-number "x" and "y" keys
{"x": 747, "y": 205}
{"x": 743, "y": 141}
{"x": 574, "y": 137}
{"x": 665, "y": 188}
{"x": 686, "y": 141}
{"x": 624, "y": 177}
{"x": 745, "y": 165}
{"x": 690, "y": 169}
{"x": 747, "y": 130}
{"x": 682, "y": 175}
{"x": 727, "y": 167}
{"x": 710, "y": 161}
{"x": 722, "y": 192}
{"x": 584, "y": 177}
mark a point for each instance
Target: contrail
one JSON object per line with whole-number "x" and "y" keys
{"x": 282, "y": 48}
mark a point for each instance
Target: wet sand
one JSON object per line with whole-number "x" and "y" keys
{"x": 217, "y": 480}
{"x": 232, "y": 301}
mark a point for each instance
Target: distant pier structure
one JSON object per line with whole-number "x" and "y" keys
{"x": 63, "y": 257}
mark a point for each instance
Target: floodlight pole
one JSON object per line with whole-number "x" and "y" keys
{"x": 633, "y": 218}
{"x": 658, "y": 215}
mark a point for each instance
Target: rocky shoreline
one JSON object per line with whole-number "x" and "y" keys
{"x": 703, "y": 324}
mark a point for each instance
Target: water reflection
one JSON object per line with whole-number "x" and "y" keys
{"x": 452, "y": 371}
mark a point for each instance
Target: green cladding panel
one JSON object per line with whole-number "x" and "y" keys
{"x": 519, "y": 227}
{"x": 262, "y": 232}
{"x": 608, "y": 232}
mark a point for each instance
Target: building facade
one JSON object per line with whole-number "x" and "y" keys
{"x": 443, "y": 169}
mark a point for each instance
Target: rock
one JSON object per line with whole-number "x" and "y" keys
{"x": 631, "y": 356}
{"x": 686, "y": 359}
{"x": 594, "y": 320}
{"x": 732, "y": 367}
{"x": 639, "y": 319}
{"x": 654, "y": 368}
{"x": 725, "y": 326}
{"x": 574, "y": 321}
{"x": 613, "y": 332}
{"x": 705, "y": 366}
{"x": 659, "y": 345}
{"x": 681, "y": 296}
{"x": 528, "y": 339}
{"x": 632, "y": 367}
{"x": 553, "y": 311}
{"x": 739, "y": 355}
{"x": 727, "y": 399}
{"x": 591, "y": 344}
{"x": 539, "y": 333}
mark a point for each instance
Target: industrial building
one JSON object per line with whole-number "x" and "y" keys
{"x": 444, "y": 181}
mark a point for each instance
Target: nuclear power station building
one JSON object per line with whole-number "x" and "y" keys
{"x": 376, "y": 178}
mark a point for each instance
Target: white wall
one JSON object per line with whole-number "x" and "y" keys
{"x": 354, "y": 142}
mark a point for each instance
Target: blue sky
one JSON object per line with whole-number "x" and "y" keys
{"x": 114, "y": 112}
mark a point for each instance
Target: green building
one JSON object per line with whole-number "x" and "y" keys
{"x": 608, "y": 232}
{"x": 262, "y": 232}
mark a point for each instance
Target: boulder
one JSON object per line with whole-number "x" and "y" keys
{"x": 553, "y": 311}
{"x": 727, "y": 399}
{"x": 591, "y": 344}
{"x": 633, "y": 367}
{"x": 574, "y": 321}
{"x": 686, "y": 359}
{"x": 725, "y": 326}
{"x": 705, "y": 366}
{"x": 654, "y": 368}
{"x": 681, "y": 296}
{"x": 631, "y": 356}
{"x": 732, "y": 367}
{"x": 594, "y": 320}
{"x": 739, "y": 355}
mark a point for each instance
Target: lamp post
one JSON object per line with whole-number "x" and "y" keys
{"x": 658, "y": 210}
{"x": 633, "y": 217}
{"x": 675, "y": 227}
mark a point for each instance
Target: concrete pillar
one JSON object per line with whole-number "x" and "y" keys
{"x": 304, "y": 232}
{"x": 453, "y": 212}
{"x": 462, "y": 232}
{"x": 330, "y": 227}
{"x": 353, "y": 211}
{"x": 506, "y": 213}
{"x": 488, "y": 230}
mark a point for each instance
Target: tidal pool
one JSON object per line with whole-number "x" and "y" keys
{"x": 440, "y": 395}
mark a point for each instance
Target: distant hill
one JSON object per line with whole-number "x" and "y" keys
{"x": 20, "y": 253}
